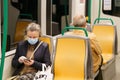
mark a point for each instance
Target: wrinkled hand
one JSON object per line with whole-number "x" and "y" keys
{"x": 28, "y": 62}
{"x": 21, "y": 59}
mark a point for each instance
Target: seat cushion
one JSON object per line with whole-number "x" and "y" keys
{"x": 68, "y": 78}
{"x": 107, "y": 57}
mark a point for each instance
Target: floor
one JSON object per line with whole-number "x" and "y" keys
{"x": 117, "y": 77}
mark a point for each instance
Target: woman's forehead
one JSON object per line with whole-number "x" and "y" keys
{"x": 33, "y": 33}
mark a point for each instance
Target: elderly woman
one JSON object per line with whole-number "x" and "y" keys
{"x": 28, "y": 68}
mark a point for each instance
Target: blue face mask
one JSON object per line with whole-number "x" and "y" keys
{"x": 32, "y": 41}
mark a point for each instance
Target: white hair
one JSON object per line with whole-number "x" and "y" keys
{"x": 33, "y": 27}
{"x": 79, "y": 21}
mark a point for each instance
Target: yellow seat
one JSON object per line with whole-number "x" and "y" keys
{"x": 20, "y": 29}
{"x": 71, "y": 54}
{"x": 106, "y": 58}
{"x": 49, "y": 40}
{"x": 68, "y": 78}
{"x": 106, "y": 36}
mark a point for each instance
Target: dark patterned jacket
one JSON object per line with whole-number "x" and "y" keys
{"x": 42, "y": 55}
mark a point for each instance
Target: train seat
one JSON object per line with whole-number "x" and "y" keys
{"x": 8, "y": 69}
{"x": 48, "y": 39}
{"x": 71, "y": 58}
{"x": 20, "y": 29}
{"x": 106, "y": 35}
{"x": 107, "y": 58}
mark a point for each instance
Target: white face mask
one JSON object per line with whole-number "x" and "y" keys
{"x": 32, "y": 41}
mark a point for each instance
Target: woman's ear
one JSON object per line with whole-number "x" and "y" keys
{"x": 25, "y": 32}
{"x": 25, "y": 35}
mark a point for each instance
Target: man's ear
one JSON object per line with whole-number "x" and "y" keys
{"x": 85, "y": 24}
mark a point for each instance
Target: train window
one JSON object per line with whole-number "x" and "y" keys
{"x": 26, "y": 7}
{"x": 60, "y": 9}
{"x": 111, "y": 7}
{"x": 19, "y": 10}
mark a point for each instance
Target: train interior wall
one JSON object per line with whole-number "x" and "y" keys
{"x": 102, "y": 15}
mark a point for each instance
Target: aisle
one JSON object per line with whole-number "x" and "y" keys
{"x": 117, "y": 77}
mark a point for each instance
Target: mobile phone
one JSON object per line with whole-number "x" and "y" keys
{"x": 27, "y": 59}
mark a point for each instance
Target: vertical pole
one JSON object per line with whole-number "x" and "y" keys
{"x": 66, "y": 13}
{"x": 5, "y": 24}
{"x": 89, "y": 10}
{"x": 99, "y": 11}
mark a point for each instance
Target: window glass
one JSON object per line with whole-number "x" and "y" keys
{"x": 26, "y": 7}
{"x": 16, "y": 10}
{"x": 111, "y": 7}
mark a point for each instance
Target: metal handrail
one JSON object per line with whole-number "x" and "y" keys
{"x": 27, "y": 15}
{"x": 98, "y": 19}
{"x": 76, "y": 28}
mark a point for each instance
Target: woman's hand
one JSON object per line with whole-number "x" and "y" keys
{"x": 21, "y": 59}
{"x": 28, "y": 62}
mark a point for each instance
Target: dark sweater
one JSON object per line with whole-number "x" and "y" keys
{"x": 42, "y": 55}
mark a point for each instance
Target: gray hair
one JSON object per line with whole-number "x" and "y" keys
{"x": 79, "y": 21}
{"x": 33, "y": 27}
